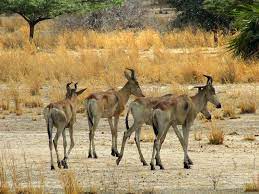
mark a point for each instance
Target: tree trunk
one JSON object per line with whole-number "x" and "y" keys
{"x": 216, "y": 37}
{"x": 32, "y": 25}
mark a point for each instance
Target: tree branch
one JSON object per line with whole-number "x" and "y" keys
{"x": 21, "y": 14}
{"x": 41, "y": 19}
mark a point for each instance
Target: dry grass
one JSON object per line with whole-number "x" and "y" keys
{"x": 5, "y": 101}
{"x": 249, "y": 138}
{"x": 247, "y": 101}
{"x": 4, "y": 185}
{"x": 229, "y": 110}
{"x": 100, "y": 58}
{"x": 254, "y": 186}
{"x": 33, "y": 102}
{"x": 10, "y": 170}
{"x": 16, "y": 96}
{"x": 216, "y": 135}
{"x": 198, "y": 135}
{"x": 69, "y": 182}
{"x": 248, "y": 105}
{"x": 147, "y": 135}
{"x": 217, "y": 114}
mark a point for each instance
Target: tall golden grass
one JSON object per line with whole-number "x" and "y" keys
{"x": 99, "y": 58}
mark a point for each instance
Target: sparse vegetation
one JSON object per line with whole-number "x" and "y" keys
{"x": 69, "y": 182}
{"x": 147, "y": 135}
{"x": 229, "y": 110}
{"x": 254, "y": 186}
{"x": 9, "y": 168}
{"x": 215, "y": 178}
{"x": 216, "y": 135}
{"x": 248, "y": 105}
{"x": 198, "y": 135}
{"x": 249, "y": 138}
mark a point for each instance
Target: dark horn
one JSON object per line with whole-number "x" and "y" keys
{"x": 76, "y": 85}
{"x": 210, "y": 80}
{"x": 68, "y": 85}
{"x": 132, "y": 72}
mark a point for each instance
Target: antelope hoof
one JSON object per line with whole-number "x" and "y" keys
{"x": 59, "y": 164}
{"x": 89, "y": 155}
{"x": 95, "y": 156}
{"x": 64, "y": 164}
{"x": 190, "y": 162}
{"x": 161, "y": 167}
{"x": 186, "y": 165}
{"x": 118, "y": 160}
{"x": 113, "y": 153}
{"x": 52, "y": 167}
{"x": 117, "y": 154}
{"x": 144, "y": 163}
{"x": 152, "y": 166}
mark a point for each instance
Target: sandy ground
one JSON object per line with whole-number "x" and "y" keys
{"x": 234, "y": 163}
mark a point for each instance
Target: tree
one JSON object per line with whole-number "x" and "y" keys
{"x": 192, "y": 13}
{"x": 225, "y": 8}
{"x": 246, "y": 43}
{"x": 35, "y": 11}
{"x": 207, "y": 14}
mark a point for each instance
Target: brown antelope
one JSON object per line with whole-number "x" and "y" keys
{"x": 141, "y": 110}
{"x": 110, "y": 104}
{"x": 181, "y": 110}
{"x": 62, "y": 114}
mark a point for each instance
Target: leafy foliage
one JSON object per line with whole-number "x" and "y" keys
{"x": 246, "y": 43}
{"x": 208, "y": 14}
{"x": 193, "y": 13}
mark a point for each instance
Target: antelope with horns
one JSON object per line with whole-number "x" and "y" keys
{"x": 141, "y": 110}
{"x": 181, "y": 110}
{"x": 62, "y": 115}
{"x": 110, "y": 104}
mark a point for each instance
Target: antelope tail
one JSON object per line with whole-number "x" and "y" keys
{"x": 49, "y": 124}
{"x": 89, "y": 114}
{"x": 127, "y": 119}
{"x": 154, "y": 123}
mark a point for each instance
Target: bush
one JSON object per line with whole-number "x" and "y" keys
{"x": 216, "y": 135}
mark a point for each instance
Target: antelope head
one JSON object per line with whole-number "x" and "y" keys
{"x": 209, "y": 92}
{"x": 133, "y": 83}
{"x": 73, "y": 93}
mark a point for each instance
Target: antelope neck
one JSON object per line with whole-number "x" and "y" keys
{"x": 124, "y": 93}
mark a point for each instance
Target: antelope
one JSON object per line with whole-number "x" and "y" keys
{"x": 62, "y": 115}
{"x": 109, "y": 104}
{"x": 141, "y": 110}
{"x": 181, "y": 110}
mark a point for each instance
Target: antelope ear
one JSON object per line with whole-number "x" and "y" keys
{"x": 127, "y": 75}
{"x": 133, "y": 75}
{"x": 80, "y": 91}
{"x": 68, "y": 86}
